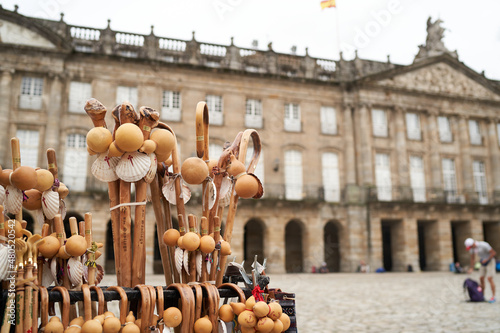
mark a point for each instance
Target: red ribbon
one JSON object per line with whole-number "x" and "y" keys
{"x": 257, "y": 293}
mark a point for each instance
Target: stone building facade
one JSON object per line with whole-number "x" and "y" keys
{"x": 362, "y": 160}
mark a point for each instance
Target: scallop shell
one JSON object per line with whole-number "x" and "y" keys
{"x": 212, "y": 191}
{"x": 208, "y": 263}
{"x": 13, "y": 200}
{"x": 186, "y": 262}
{"x": 2, "y": 194}
{"x": 50, "y": 204}
{"x": 179, "y": 256}
{"x": 75, "y": 271}
{"x": 54, "y": 267}
{"x": 99, "y": 274}
{"x": 104, "y": 168}
{"x": 47, "y": 277}
{"x": 39, "y": 217}
{"x": 133, "y": 166}
{"x": 150, "y": 175}
{"x": 62, "y": 209}
{"x": 199, "y": 264}
{"x": 225, "y": 192}
{"x": 170, "y": 194}
{"x": 4, "y": 262}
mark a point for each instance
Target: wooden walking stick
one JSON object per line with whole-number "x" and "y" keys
{"x": 16, "y": 163}
{"x": 97, "y": 112}
{"x": 21, "y": 249}
{"x": 127, "y": 114}
{"x": 243, "y": 146}
{"x": 156, "y": 198}
{"x": 202, "y": 144}
{"x": 30, "y": 287}
{"x": 148, "y": 120}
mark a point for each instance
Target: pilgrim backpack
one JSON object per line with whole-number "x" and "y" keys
{"x": 474, "y": 290}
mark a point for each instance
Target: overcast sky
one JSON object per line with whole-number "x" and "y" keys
{"x": 376, "y": 28}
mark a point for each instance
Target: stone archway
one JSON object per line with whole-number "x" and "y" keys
{"x": 294, "y": 253}
{"x": 253, "y": 242}
{"x": 331, "y": 239}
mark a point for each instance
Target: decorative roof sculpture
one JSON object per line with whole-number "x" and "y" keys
{"x": 434, "y": 45}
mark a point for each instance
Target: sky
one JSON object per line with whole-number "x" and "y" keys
{"x": 376, "y": 28}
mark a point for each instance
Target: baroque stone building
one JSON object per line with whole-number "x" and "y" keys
{"x": 362, "y": 160}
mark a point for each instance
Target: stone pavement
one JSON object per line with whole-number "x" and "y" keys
{"x": 388, "y": 302}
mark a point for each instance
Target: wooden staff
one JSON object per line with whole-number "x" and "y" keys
{"x": 215, "y": 255}
{"x": 35, "y": 293}
{"x": 97, "y": 112}
{"x": 21, "y": 248}
{"x": 169, "y": 225}
{"x": 127, "y": 115}
{"x": 204, "y": 232}
{"x": 202, "y": 144}
{"x": 148, "y": 120}
{"x": 176, "y": 168}
{"x": 28, "y": 290}
{"x": 228, "y": 232}
{"x": 160, "y": 229}
{"x": 192, "y": 254}
{"x": 16, "y": 163}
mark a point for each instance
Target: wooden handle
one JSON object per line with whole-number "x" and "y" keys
{"x": 187, "y": 306}
{"x": 128, "y": 114}
{"x": 66, "y": 305}
{"x": 241, "y": 294}
{"x": 16, "y": 153}
{"x": 100, "y": 299}
{"x": 123, "y": 302}
{"x": 149, "y": 118}
{"x": 139, "y": 252}
{"x": 73, "y": 225}
{"x": 213, "y": 300}
{"x": 87, "y": 302}
{"x": 144, "y": 306}
{"x": 198, "y": 292}
{"x": 202, "y": 142}
{"x": 59, "y": 229}
{"x": 44, "y": 306}
{"x": 125, "y": 265}
{"x": 52, "y": 162}
{"x": 96, "y": 111}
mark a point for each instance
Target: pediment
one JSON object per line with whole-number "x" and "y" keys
{"x": 440, "y": 78}
{"x": 11, "y": 33}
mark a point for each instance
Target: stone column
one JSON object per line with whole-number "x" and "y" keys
{"x": 466, "y": 160}
{"x": 5, "y": 109}
{"x": 313, "y": 243}
{"x": 363, "y": 145}
{"x": 411, "y": 244}
{"x": 476, "y": 229}
{"x": 401, "y": 156}
{"x": 493, "y": 179}
{"x": 445, "y": 244}
{"x": 274, "y": 238}
{"x": 352, "y": 193}
{"x": 357, "y": 233}
{"x": 54, "y": 111}
{"x": 436, "y": 186}
{"x": 376, "y": 259}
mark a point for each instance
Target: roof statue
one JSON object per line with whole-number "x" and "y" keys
{"x": 434, "y": 43}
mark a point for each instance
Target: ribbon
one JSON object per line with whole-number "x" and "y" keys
{"x": 25, "y": 197}
{"x": 257, "y": 293}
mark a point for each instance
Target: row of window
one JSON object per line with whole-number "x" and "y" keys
{"x": 80, "y": 92}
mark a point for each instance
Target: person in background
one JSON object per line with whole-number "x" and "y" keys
{"x": 486, "y": 258}
{"x": 323, "y": 268}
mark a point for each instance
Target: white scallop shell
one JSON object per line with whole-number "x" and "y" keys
{"x": 209, "y": 265}
{"x": 169, "y": 193}
{"x": 39, "y": 217}
{"x": 2, "y": 194}
{"x": 150, "y": 175}
{"x": 53, "y": 269}
{"x": 13, "y": 200}
{"x": 212, "y": 191}
{"x": 50, "y": 204}
{"x": 47, "y": 277}
{"x": 133, "y": 166}
{"x": 62, "y": 209}
{"x": 75, "y": 271}
{"x": 179, "y": 256}
{"x": 4, "y": 262}
{"x": 186, "y": 262}
{"x": 199, "y": 264}
{"x": 104, "y": 168}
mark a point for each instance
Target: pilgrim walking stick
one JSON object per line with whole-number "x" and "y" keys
{"x": 97, "y": 112}
{"x": 148, "y": 120}
{"x": 243, "y": 146}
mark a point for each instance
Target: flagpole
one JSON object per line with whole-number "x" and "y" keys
{"x": 338, "y": 27}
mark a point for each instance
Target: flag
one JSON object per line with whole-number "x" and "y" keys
{"x": 327, "y": 4}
